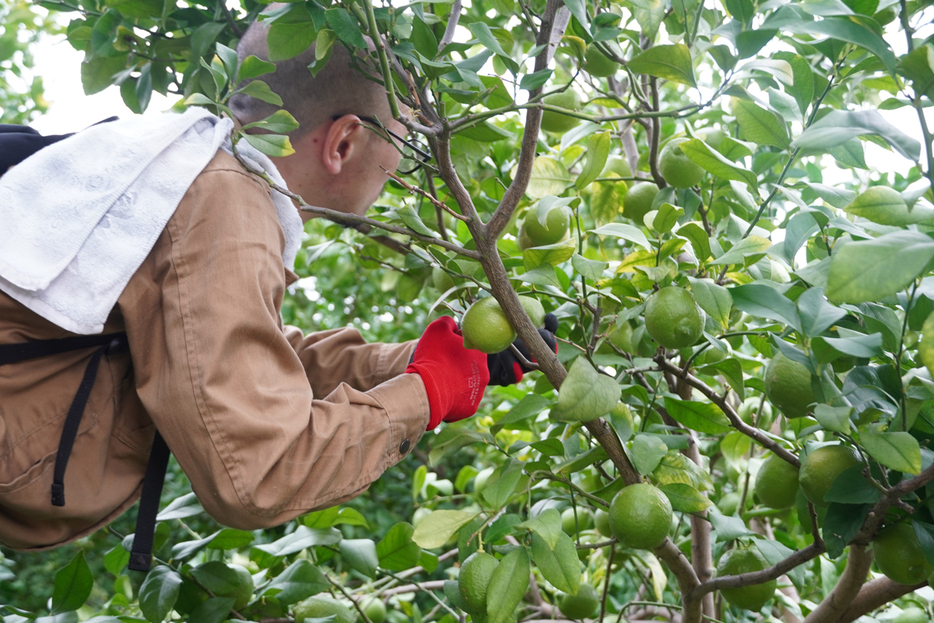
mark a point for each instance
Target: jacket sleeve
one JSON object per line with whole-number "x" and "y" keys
{"x": 227, "y": 389}
{"x": 342, "y": 356}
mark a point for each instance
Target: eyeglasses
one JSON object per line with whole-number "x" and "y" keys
{"x": 414, "y": 153}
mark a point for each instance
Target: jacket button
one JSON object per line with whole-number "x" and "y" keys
{"x": 404, "y": 446}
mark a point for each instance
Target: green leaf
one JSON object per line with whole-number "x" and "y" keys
{"x": 626, "y": 232}
{"x": 137, "y": 9}
{"x": 728, "y": 528}
{"x": 552, "y": 254}
{"x": 663, "y": 219}
{"x": 291, "y": 34}
{"x": 397, "y": 551}
{"x": 837, "y": 197}
{"x": 732, "y": 371}
{"x": 850, "y": 153}
{"x": 97, "y": 73}
{"x": 598, "y": 148}
{"x": 229, "y": 538}
{"x": 747, "y": 247}
{"x": 851, "y": 487}
{"x": 346, "y": 27}
{"x": 276, "y": 145}
{"x": 73, "y": 584}
{"x": 671, "y": 62}
{"x": 649, "y": 15}
{"x": 855, "y": 344}
{"x": 508, "y": 584}
{"x": 300, "y": 580}
{"x": 885, "y": 206}
{"x": 855, "y": 29}
{"x": 435, "y": 529}
{"x": 281, "y": 122}
{"x": 685, "y": 498}
{"x": 713, "y": 299}
{"x": 839, "y": 126}
{"x": 559, "y": 565}
{"x": 841, "y": 524}
{"x": 361, "y": 555}
{"x": 704, "y": 417}
{"x": 675, "y": 467}
{"x": 585, "y": 394}
{"x": 158, "y": 593}
{"x": 485, "y": 132}
{"x": 217, "y": 577}
{"x": 590, "y": 269}
{"x": 765, "y": 301}
{"x": 874, "y": 269}
{"x": 899, "y": 451}
{"x": 647, "y": 452}
{"x": 530, "y": 405}
{"x": 213, "y": 610}
{"x": 606, "y": 199}
{"x": 714, "y": 163}
{"x": 547, "y": 525}
{"x": 817, "y": 314}
{"x": 836, "y": 419}
{"x": 261, "y": 91}
{"x": 918, "y": 66}
{"x": 501, "y": 485}
{"x": 761, "y": 126}
{"x": 254, "y": 67}
{"x": 698, "y": 238}
{"x": 303, "y": 538}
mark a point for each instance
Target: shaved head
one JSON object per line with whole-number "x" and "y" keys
{"x": 337, "y": 89}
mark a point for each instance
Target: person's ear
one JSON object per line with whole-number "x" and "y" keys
{"x": 341, "y": 142}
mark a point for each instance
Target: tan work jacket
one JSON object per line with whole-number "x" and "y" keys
{"x": 267, "y": 423}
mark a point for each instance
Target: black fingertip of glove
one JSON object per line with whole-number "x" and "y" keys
{"x": 551, "y": 323}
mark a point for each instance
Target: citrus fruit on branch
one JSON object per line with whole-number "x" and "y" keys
{"x": 474, "y": 579}
{"x": 583, "y": 605}
{"x": 788, "y": 386}
{"x": 486, "y": 328}
{"x": 640, "y": 516}
{"x": 777, "y": 483}
{"x": 820, "y": 467}
{"x": 638, "y": 201}
{"x": 556, "y": 122}
{"x": 553, "y": 230}
{"x": 745, "y": 560}
{"x": 898, "y": 555}
{"x": 676, "y": 168}
{"x": 673, "y": 319}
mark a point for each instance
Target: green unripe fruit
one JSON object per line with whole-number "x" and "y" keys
{"x": 584, "y": 520}
{"x": 788, "y": 386}
{"x": 583, "y": 605}
{"x": 677, "y": 169}
{"x": 486, "y": 328}
{"x": 912, "y": 615}
{"x": 596, "y": 63}
{"x": 640, "y": 516}
{"x": 534, "y": 309}
{"x": 558, "y": 123}
{"x": 555, "y": 229}
{"x": 474, "y": 579}
{"x": 374, "y": 609}
{"x": 820, "y": 467}
{"x": 673, "y": 319}
{"x": 601, "y": 521}
{"x": 638, "y": 201}
{"x": 777, "y": 483}
{"x": 616, "y": 166}
{"x": 321, "y": 607}
{"x": 898, "y": 555}
{"x": 745, "y": 560}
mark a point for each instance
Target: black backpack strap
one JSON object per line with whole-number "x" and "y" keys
{"x": 141, "y": 556}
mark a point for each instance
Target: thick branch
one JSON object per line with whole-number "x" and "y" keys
{"x": 892, "y": 495}
{"x": 848, "y": 587}
{"x": 533, "y": 120}
{"x": 874, "y": 594}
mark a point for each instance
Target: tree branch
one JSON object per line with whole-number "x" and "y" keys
{"x": 874, "y": 594}
{"x": 453, "y": 18}
{"x": 848, "y": 587}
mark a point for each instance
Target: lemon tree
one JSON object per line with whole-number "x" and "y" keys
{"x": 731, "y": 229}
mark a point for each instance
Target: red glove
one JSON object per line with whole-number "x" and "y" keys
{"x": 454, "y": 377}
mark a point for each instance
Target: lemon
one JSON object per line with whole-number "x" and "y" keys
{"x": 601, "y": 521}
{"x": 912, "y": 615}
{"x": 640, "y": 516}
{"x": 676, "y": 168}
{"x": 596, "y": 63}
{"x": 320, "y": 607}
{"x": 673, "y": 319}
{"x": 583, "y": 605}
{"x": 374, "y": 609}
{"x": 898, "y": 555}
{"x": 486, "y": 328}
{"x": 820, "y": 467}
{"x": 616, "y": 166}
{"x": 638, "y": 200}
{"x": 534, "y": 309}
{"x": 777, "y": 483}
{"x": 558, "y": 123}
{"x": 555, "y": 229}
{"x": 745, "y": 560}
{"x": 788, "y": 386}
{"x": 926, "y": 345}
{"x": 583, "y": 522}
{"x": 473, "y": 580}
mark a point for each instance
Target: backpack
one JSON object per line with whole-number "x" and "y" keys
{"x": 16, "y": 144}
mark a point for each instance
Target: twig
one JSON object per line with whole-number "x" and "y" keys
{"x": 656, "y": 131}
{"x": 453, "y": 17}
{"x": 421, "y": 588}
{"x": 416, "y": 190}
{"x": 442, "y": 229}
{"x": 344, "y": 592}
{"x": 383, "y": 60}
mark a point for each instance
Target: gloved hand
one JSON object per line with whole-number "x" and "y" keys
{"x": 454, "y": 377}
{"x": 506, "y": 369}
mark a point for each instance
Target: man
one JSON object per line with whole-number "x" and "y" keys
{"x": 267, "y": 423}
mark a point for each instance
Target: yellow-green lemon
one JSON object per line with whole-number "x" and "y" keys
{"x": 820, "y": 467}
{"x": 777, "y": 483}
{"x": 745, "y": 560}
{"x": 596, "y": 63}
{"x": 486, "y": 328}
{"x": 638, "y": 200}
{"x": 474, "y": 579}
{"x": 673, "y": 319}
{"x": 788, "y": 386}
{"x": 677, "y": 169}
{"x": 556, "y": 122}
{"x": 555, "y": 229}
{"x": 898, "y": 555}
{"x": 583, "y": 605}
{"x": 640, "y": 516}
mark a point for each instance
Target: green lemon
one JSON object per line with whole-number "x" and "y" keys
{"x": 583, "y": 605}
{"x": 558, "y": 123}
{"x": 912, "y": 615}
{"x": 374, "y": 609}
{"x": 534, "y": 309}
{"x": 486, "y": 328}
{"x": 820, "y": 467}
{"x": 596, "y": 63}
{"x": 673, "y": 319}
{"x": 601, "y": 521}
{"x": 452, "y": 592}
{"x": 714, "y": 138}
{"x": 320, "y": 607}
{"x": 745, "y": 560}
{"x": 788, "y": 386}
{"x": 777, "y": 483}
{"x": 584, "y": 520}
{"x": 638, "y": 200}
{"x": 677, "y": 169}
{"x": 640, "y": 516}
{"x": 555, "y": 229}
{"x": 473, "y": 580}
{"x": 926, "y": 345}
{"x": 898, "y": 555}
{"x": 616, "y": 166}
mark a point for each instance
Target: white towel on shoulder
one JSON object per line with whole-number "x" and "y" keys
{"x": 78, "y": 218}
